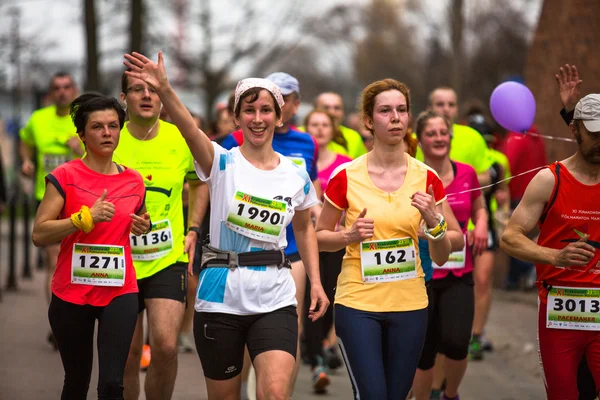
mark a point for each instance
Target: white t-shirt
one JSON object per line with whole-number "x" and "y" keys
{"x": 241, "y": 196}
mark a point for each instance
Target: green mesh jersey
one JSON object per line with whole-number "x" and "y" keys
{"x": 164, "y": 162}
{"x": 48, "y": 133}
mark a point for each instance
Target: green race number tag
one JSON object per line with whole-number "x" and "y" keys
{"x": 154, "y": 245}
{"x": 456, "y": 259}
{"x": 257, "y": 218}
{"x": 573, "y": 308}
{"x": 388, "y": 260}
{"x": 98, "y": 265}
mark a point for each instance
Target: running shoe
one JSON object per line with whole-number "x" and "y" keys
{"x": 444, "y": 397}
{"x": 52, "y": 341}
{"x": 320, "y": 380}
{"x": 475, "y": 349}
{"x": 186, "y": 344}
{"x": 332, "y": 358}
{"x": 486, "y": 344}
{"x": 146, "y": 355}
{"x": 435, "y": 394}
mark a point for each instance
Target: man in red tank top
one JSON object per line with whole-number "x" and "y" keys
{"x": 563, "y": 201}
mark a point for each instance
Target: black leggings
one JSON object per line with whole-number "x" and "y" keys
{"x": 73, "y": 326}
{"x": 315, "y": 332}
{"x": 451, "y": 309}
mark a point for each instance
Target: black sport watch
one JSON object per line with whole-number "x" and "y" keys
{"x": 194, "y": 229}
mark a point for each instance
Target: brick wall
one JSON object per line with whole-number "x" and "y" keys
{"x": 567, "y": 32}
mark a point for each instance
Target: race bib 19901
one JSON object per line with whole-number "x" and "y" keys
{"x": 387, "y": 260}
{"x": 573, "y": 308}
{"x": 154, "y": 245}
{"x": 257, "y": 218}
{"x": 97, "y": 264}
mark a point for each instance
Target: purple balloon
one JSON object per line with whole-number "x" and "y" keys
{"x": 513, "y": 106}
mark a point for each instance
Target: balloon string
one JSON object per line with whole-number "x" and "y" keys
{"x": 523, "y": 173}
{"x": 549, "y": 137}
{"x": 497, "y": 183}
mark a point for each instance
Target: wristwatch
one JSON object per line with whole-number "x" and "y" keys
{"x": 194, "y": 229}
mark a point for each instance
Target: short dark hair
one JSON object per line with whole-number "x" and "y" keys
{"x": 84, "y": 105}
{"x": 252, "y": 95}
{"x": 124, "y": 81}
{"x": 61, "y": 74}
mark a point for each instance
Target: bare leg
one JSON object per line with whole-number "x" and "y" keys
{"x": 438, "y": 372}
{"x": 454, "y": 371}
{"x": 482, "y": 274}
{"x": 422, "y": 384}
{"x": 164, "y": 321}
{"x": 131, "y": 378}
{"x": 274, "y": 371}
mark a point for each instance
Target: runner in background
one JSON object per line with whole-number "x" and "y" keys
{"x": 319, "y": 336}
{"x": 450, "y": 292}
{"x": 467, "y": 146}
{"x": 156, "y": 149}
{"x": 90, "y": 206}
{"x": 334, "y": 104}
{"x": 51, "y": 134}
{"x": 562, "y": 200}
{"x": 498, "y": 206}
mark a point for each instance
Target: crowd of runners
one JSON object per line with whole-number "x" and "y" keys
{"x": 265, "y": 242}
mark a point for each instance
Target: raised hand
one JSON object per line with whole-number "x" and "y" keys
{"x": 569, "y": 86}
{"x": 576, "y": 254}
{"x": 141, "y": 224}
{"x": 141, "y": 67}
{"x": 362, "y": 228}
{"x": 102, "y": 211}
{"x": 425, "y": 203}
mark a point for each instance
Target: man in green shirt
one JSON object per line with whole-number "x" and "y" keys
{"x": 157, "y": 150}
{"x": 467, "y": 145}
{"x": 51, "y": 134}
{"x": 334, "y": 104}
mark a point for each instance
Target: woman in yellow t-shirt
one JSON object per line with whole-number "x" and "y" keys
{"x": 381, "y": 301}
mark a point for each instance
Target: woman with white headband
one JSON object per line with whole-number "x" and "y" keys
{"x": 246, "y": 294}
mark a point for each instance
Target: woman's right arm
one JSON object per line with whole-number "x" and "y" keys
{"x": 331, "y": 240}
{"x": 155, "y": 75}
{"x": 47, "y": 229}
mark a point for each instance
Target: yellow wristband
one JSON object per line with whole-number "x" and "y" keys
{"x": 83, "y": 219}
{"x": 442, "y": 226}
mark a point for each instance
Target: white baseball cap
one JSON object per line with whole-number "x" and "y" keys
{"x": 588, "y": 111}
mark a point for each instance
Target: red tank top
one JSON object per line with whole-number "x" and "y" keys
{"x": 79, "y": 185}
{"x": 572, "y": 211}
